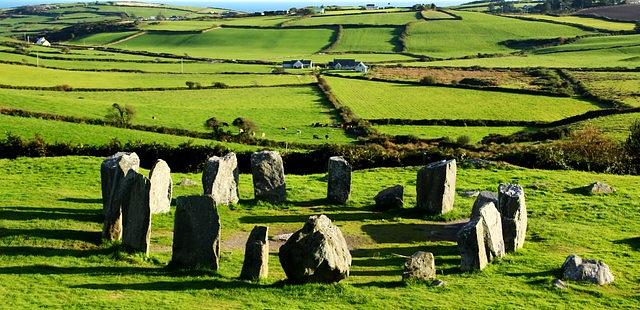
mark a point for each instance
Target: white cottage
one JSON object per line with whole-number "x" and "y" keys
{"x": 298, "y": 64}
{"x": 361, "y": 67}
{"x": 42, "y": 41}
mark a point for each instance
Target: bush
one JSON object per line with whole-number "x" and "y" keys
{"x": 464, "y": 140}
{"x": 278, "y": 70}
{"x": 120, "y": 116}
{"x": 193, "y": 85}
{"x": 65, "y": 87}
{"x": 632, "y": 145}
{"x": 245, "y": 125}
{"x": 477, "y": 82}
{"x": 219, "y": 85}
{"x": 637, "y": 29}
{"x": 428, "y": 80}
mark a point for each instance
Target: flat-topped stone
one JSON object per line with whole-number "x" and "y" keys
{"x": 435, "y": 187}
{"x": 112, "y": 173}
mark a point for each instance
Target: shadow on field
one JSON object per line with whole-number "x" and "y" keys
{"x": 43, "y": 213}
{"x": 176, "y": 286}
{"x": 53, "y": 270}
{"x": 302, "y": 218}
{"x": 446, "y": 259}
{"x": 405, "y": 233}
{"x": 634, "y": 243}
{"x": 82, "y": 200}
{"x": 52, "y": 252}
{"x": 538, "y": 277}
{"x": 55, "y": 234}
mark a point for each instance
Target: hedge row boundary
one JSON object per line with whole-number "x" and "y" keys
{"x": 68, "y": 88}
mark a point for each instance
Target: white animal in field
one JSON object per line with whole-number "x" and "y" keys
{"x": 264, "y": 134}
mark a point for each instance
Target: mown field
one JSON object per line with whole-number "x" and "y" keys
{"x": 477, "y": 33}
{"x": 474, "y": 133}
{"x": 271, "y": 108}
{"x": 390, "y": 18}
{"x": 266, "y": 44}
{"x": 368, "y": 39}
{"x": 50, "y": 244}
{"x": 622, "y": 86}
{"x": 375, "y": 100}
{"x": 585, "y": 21}
{"x": 615, "y": 126}
{"x": 102, "y": 38}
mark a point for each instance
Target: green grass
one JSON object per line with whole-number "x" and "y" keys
{"x": 388, "y": 100}
{"x": 270, "y": 108}
{"x": 586, "y": 21}
{"x": 102, "y": 38}
{"x": 392, "y": 18}
{"x": 430, "y": 14}
{"x": 227, "y": 43}
{"x": 367, "y": 58}
{"x": 453, "y": 132}
{"x": 595, "y": 43}
{"x": 146, "y": 12}
{"x": 260, "y": 21}
{"x": 358, "y": 11}
{"x": 622, "y": 86}
{"x": 32, "y": 76}
{"x": 50, "y": 256}
{"x": 615, "y": 126}
{"x": 181, "y": 25}
{"x": 368, "y": 39}
{"x": 84, "y": 134}
{"x": 477, "y": 33}
{"x": 626, "y": 57}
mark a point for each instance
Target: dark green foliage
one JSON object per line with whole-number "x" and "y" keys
{"x": 119, "y": 115}
{"x": 428, "y": 80}
{"x": 463, "y": 140}
{"x": 477, "y": 82}
{"x": 219, "y": 85}
{"x": 193, "y": 85}
{"x": 216, "y": 126}
{"x": 632, "y": 145}
{"x": 246, "y": 126}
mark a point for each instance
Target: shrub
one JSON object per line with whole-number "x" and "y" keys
{"x": 428, "y": 80}
{"x": 120, "y": 115}
{"x": 193, "y": 85}
{"x": 219, "y": 85}
{"x": 632, "y": 145}
{"x": 464, "y": 140}
{"x": 477, "y": 82}
{"x": 216, "y": 126}
{"x": 278, "y": 70}
{"x": 637, "y": 28}
{"x": 245, "y": 125}
{"x": 64, "y": 87}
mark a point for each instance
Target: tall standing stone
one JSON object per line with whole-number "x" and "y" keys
{"x": 473, "y": 255}
{"x": 161, "y": 187}
{"x": 256, "y": 255}
{"x": 112, "y": 173}
{"x": 220, "y": 179}
{"x": 136, "y": 212}
{"x": 483, "y": 198}
{"x": 513, "y": 209}
{"x": 492, "y": 229}
{"x": 436, "y": 186}
{"x": 339, "y": 180}
{"x": 316, "y": 253}
{"x": 268, "y": 177}
{"x": 196, "y": 233}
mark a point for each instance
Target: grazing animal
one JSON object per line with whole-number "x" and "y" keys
{"x": 299, "y": 132}
{"x": 264, "y": 134}
{"x": 284, "y": 128}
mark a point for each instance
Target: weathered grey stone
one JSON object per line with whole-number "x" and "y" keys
{"x": 436, "y": 187}
{"x": 557, "y": 283}
{"x": 469, "y": 194}
{"x": 256, "y": 255}
{"x": 220, "y": 179}
{"x": 599, "y": 188}
{"x": 339, "y": 180}
{"x": 578, "y": 269}
{"x": 187, "y": 182}
{"x": 316, "y": 253}
{"x": 438, "y": 283}
{"x": 483, "y": 198}
{"x": 492, "y": 228}
{"x": 112, "y": 173}
{"x": 281, "y": 237}
{"x": 161, "y": 187}
{"x": 268, "y": 177}
{"x": 473, "y": 255}
{"x": 390, "y": 198}
{"x": 196, "y": 233}
{"x": 136, "y": 212}
{"x": 513, "y": 209}
{"x": 420, "y": 266}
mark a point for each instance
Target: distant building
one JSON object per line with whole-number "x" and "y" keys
{"x": 298, "y": 64}
{"x": 273, "y": 13}
{"x": 633, "y": 1}
{"x": 316, "y": 9}
{"x": 42, "y": 41}
{"x": 349, "y": 64}
{"x": 371, "y": 7}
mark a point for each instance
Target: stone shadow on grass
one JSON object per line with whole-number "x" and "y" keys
{"x": 634, "y": 243}
{"x": 177, "y": 285}
{"x": 42, "y": 269}
{"x": 396, "y": 257}
{"x": 55, "y": 234}
{"x": 302, "y": 218}
{"x": 406, "y": 233}
{"x": 82, "y": 200}
{"x": 52, "y": 252}
{"x": 44, "y": 213}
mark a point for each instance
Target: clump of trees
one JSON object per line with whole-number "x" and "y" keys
{"x": 193, "y": 85}
{"x": 428, "y": 80}
{"x": 219, "y": 129}
{"x": 120, "y": 115}
{"x": 637, "y": 26}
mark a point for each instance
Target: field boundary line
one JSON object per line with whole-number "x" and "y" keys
{"x": 68, "y": 88}
{"x": 575, "y": 25}
{"x": 133, "y": 36}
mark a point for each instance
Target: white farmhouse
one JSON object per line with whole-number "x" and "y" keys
{"x": 298, "y": 64}
{"x": 361, "y": 67}
{"x": 348, "y": 64}
{"x": 42, "y": 41}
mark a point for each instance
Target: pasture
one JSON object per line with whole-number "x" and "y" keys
{"x": 50, "y": 245}
{"x": 585, "y": 21}
{"x": 102, "y": 38}
{"x": 375, "y": 100}
{"x": 368, "y": 40}
{"x": 385, "y": 18}
{"x": 477, "y": 33}
{"x": 475, "y": 133}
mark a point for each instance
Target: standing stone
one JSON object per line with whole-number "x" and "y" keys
{"x": 339, "y": 180}
{"x": 598, "y": 188}
{"x": 268, "y": 177}
{"x": 256, "y": 255}
{"x": 483, "y": 198}
{"x": 473, "y": 255}
{"x": 220, "y": 179}
{"x": 136, "y": 212}
{"x": 316, "y": 253}
{"x": 390, "y": 198}
{"x": 580, "y": 269}
{"x": 436, "y": 187}
{"x": 492, "y": 228}
{"x": 196, "y": 233}
{"x": 161, "y": 187}
{"x": 112, "y": 173}
{"x": 513, "y": 210}
{"x": 420, "y": 266}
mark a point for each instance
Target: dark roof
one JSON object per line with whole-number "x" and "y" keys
{"x": 303, "y": 61}
{"x": 344, "y": 62}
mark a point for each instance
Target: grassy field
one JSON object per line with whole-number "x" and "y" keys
{"x": 264, "y": 44}
{"x": 32, "y": 76}
{"x": 431, "y": 14}
{"x": 595, "y": 43}
{"x": 271, "y": 108}
{"x": 477, "y": 33}
{"x": 615, "y": 126}
{"x": 585, "y": 21}
{"x": 84, "y": 134}
{"x": 102, "y": 38}
{"x": 392, "y": 18}
{"x": 626, "y": 57}
{"x": 145, "y": 12}
{"x": 181, "y": 25}
{"x": 622, "y": 86}
{"x": 368, "y": 39}
{"x": 388, "y": 100}
{"x": 51, "y": 257}
{"x": 452, "y": 132}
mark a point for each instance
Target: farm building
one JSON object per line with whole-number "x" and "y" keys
{"x": 297, "y": 64}
{"x": 348, "y": 64}
{"x": 371, "y": 7}
{"x": 42, "y": 41}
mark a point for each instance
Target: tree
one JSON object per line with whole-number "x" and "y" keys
{"x": 245, "y": 125}
{"x": 637, "y": 27}
{"x": 632, "y": 145}
{"x": 120, "y": 115}
{"x": 216, "y": 126}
